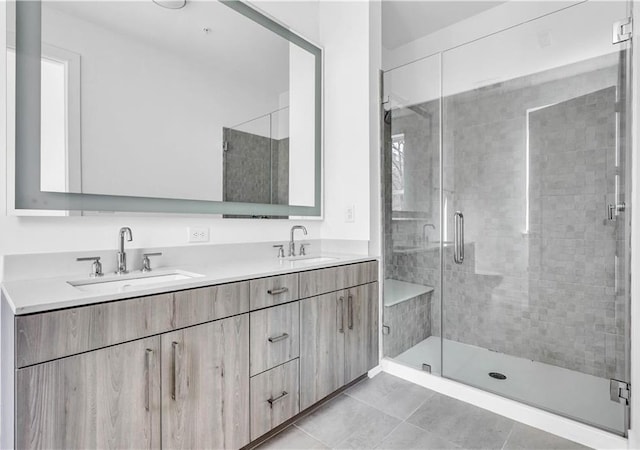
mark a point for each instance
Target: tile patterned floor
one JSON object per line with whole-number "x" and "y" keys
{"x": 386, "y": 412}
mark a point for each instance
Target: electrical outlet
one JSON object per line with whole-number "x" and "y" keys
{"x": 350, "y": 214}
{"x": 198, "y": 234}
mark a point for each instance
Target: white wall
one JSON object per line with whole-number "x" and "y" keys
{"x": 344, "y": 32}
{"x": 490, "y": 21}
{"x": 302, "y": 126}
{"x": 169, "y": 143}
{"x": 346, "y": 169}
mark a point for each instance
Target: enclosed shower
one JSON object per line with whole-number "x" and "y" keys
{"x": 505, "y": 175}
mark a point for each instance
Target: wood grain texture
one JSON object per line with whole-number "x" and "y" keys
{"x": 7, "y": 374}
{"x": 317, "y": 282}
{"x": 50, "y": 335}
{"x": 93, "y": 400}
{"x": 270, "y": 385}
{"x": 273, "y": 323}
{"x": 357, "y": 274}
{"x": 260, "y": 296}
{"x": 361, "y": 338}
{"x": 210, "y": 378}
{"x": 321, "y": 347}
{"x": 202, "y": 305}
{"x": 321, "y": 281}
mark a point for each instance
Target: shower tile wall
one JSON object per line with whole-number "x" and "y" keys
{"x": 255, "y": 165}
{"x": 546, "y": 293}
{"x": 414, "y": 256}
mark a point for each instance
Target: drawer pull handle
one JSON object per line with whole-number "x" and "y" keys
{"x": 277, "y": 291}
{"x": 282, "y": 337}
{"x": 277, "y": 399}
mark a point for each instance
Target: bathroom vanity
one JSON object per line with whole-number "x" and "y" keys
{"x": 216, "y": 364}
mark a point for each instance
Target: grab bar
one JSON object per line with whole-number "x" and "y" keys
{"x": 458, "y": 243}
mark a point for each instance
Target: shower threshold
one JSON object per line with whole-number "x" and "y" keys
{"x": 567, "y": 392}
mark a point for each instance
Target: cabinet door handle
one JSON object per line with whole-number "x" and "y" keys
{"x": 174, "y": 377}
{"x": 277, "y": 291}
{"x": 278, "y": 338}
{"x": 341, "y": 311}
{"x": 147, "y": 370}
{"x": 350, "y": 306}
{"x": 277, "y": 399}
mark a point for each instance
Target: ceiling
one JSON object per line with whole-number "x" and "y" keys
{"x": 405, "y": 21}
{"x": 208, "y": 33}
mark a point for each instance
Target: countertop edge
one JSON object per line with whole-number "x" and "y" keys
{"x": 194, "y": 283}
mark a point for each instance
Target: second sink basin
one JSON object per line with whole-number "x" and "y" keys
{"x": 131, "y": 282}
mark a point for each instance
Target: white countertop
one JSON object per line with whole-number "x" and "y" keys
{"x": 45, "y": 294}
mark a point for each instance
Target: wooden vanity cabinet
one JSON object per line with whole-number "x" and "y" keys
{"x": 338, "y": 330}
{"x": 321, "y": 347}
{"x": 361, "y": 333}
{"x": 107, "y": 398}
{"x": 205, "y": 385}
{"x": 212, "y": 367}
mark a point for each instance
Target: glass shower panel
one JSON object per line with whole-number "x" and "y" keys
{"x": 533, "y": 304}
{"x": 411, "y": 197}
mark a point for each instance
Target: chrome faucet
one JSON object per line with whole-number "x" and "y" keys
{"x": 292, "y": 244}
{"x": 122, "y": 256}
{"x": 425, "y": 236}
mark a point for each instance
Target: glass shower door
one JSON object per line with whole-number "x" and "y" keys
{"x": 535, "y": 303}
{"x": 411, "y": 184}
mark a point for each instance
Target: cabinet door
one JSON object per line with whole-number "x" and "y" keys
{"x": 322, "y": 327}
{"x": 205, "y": 385}
{"x": 361, "y": 346}
{"x": 107, "y": 398}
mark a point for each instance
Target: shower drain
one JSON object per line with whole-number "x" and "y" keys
{"x": 497, "y": 375}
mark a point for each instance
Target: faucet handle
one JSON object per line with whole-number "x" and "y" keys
{"x": 280, "y": 248}
{"x": 146, "y": 262}
{"x": 96, "y": 267}
{"x": 303, "y": 248}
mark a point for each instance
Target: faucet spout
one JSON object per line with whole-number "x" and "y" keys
{"x": 292, "y": 244}
{"x": 122, "y": 256}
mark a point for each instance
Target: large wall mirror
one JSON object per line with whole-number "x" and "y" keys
{"x": 163, "y": 106}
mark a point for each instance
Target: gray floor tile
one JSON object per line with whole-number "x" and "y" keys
{"x": 292, "y": 438}
{"x": 524, "y": 437}
{"x": 345, "y": 422}
{"x": 409, "y": 437}
{"x": 390, "y": 394}
{"x": 465, "y": 425}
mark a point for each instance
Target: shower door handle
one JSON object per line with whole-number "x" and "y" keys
{"x": 458, "y": 239}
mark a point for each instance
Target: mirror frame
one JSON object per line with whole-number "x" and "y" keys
{"x": 28, "y": 195}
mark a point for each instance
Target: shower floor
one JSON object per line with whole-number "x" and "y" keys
{"x": 563, "y": 391}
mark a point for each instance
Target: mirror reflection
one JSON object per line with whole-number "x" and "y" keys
{"x": 170, "y": 99}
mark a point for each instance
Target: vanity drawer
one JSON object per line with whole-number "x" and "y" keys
{"x": 55, "y": 334}
{"x": 274, "y": 398}
{"x": 273, "y": 291}
{"x": 274, "y": 336}
{"x": 321, "y": 281}
{"x": 201, "y": 305}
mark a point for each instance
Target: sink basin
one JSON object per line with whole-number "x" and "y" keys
{"x": 131, "y": 282}
{"x": 310, "y": 260}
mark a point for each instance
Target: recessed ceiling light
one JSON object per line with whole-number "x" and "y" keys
{"x": 171, "y": 4}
